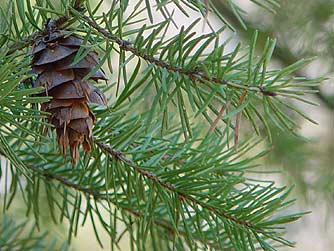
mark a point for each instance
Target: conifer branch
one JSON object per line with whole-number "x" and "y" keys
{"x": 98, "y": 196}
{"x": 195, "y": 189}
{"x": 120, "y": 156}
{"x": 165, "y": 225}
{"x": 193, "y": 74}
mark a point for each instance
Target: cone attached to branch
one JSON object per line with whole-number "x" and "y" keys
{"x": 53, "y": 56}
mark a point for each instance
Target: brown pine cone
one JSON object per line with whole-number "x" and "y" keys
{"x": 53, "y": 55}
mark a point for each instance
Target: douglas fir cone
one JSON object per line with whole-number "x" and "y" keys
{"x": 53, "y": 56}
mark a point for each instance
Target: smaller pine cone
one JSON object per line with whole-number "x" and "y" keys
{"x": 53, "y": 56}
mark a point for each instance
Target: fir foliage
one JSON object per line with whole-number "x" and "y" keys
{"x": 163, "y": 164}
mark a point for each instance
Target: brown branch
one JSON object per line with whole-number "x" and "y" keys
{"x": 194, "y": 75}
{"x": 98, "y": 196}
{"x": 67, "y": 183}
{"x": 165, "y": 225}
{"x": 170, "y": 187}
{"x": 87, "y": 191}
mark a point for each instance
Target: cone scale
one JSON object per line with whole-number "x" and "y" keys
{"x": 52, "y": 58}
